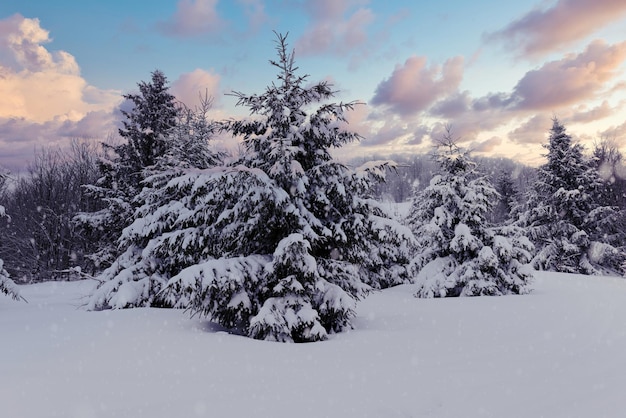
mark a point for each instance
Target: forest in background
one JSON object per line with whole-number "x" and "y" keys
{"x": 40, "y": 241}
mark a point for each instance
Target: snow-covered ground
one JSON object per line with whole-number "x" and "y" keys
{"x": 558, "y": 352}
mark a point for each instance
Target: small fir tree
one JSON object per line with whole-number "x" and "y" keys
{"x": 458, "y": 253}
{"x": 7, "y": 286}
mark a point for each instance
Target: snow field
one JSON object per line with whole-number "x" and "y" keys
{"x": 558, "y": 352}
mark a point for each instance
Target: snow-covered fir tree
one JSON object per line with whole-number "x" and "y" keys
{"x": 7, "y": 286}
{"x": 168, "y": 230}
{"x": 609, "y": 161}
{"x": 458, "y": 253}
{"x": 147, "y": 126}
{"x": 570, "y": 227}
{"x": 145, "y": 132}
{"x": 290, "y": 238}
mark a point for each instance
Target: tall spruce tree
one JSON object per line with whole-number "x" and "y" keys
{"x": 458, "y": 253}
{"x": 168, "y": 231}
{"x": 290, "y": 237}
{"x": 145, "y": 132}
{"x": 566, "y": 220}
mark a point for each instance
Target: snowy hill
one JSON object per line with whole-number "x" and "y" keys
{"x": 558, "y": 352}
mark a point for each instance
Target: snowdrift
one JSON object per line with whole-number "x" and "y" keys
{"x": 558, "y": 352}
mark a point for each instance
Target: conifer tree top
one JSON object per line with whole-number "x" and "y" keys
{"x": 154, "y": 106}
{"x": 287, "y": 134}
{"x": 153, "y": 115}
{"x": 452, "y": 158}
{"x": 565, "y": 159}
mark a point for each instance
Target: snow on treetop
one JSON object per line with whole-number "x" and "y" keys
{"x": 376, "y": 168}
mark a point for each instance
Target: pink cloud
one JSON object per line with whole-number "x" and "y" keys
{"x": 190, "y": 86}
{"x": 533, "y": 130}
{"x": 420, "y": 134}
{"x": 98, "y": 124}
{"x": 468, "y": 125}
{"x": 193, "y": 18}
{"x": 572, "y": 79}
{"x": 453, "y": 105}
{"x": 390, "y": 131}
{"x": 557, "y": 86}
{"x": 335, "y": 27}
{"x": 431, "y": 94}
{"x": 357, "y": 119}
{"x": 486, "y": 146}
{"x": 584, "y": 115}
{"x": 321, "y": 10}
{"x": 21, "y": 138}
{"x": 618, "y": 133}
{"x": 544, "y": 30}
{"x": 382, "y": 129}
{"x": 413, "y": 86}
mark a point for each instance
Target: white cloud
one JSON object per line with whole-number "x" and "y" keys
{"x": 43, "y": 93}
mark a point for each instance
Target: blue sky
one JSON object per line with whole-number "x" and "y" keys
{"x": 497, "y": 72}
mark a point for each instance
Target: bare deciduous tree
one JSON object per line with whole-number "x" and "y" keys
{"x": 39, "y": 238}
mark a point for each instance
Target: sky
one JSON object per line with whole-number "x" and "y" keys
{"x": 495, "y": 72}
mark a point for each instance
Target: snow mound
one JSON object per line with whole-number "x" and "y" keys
{"x": 557, "y": 352}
